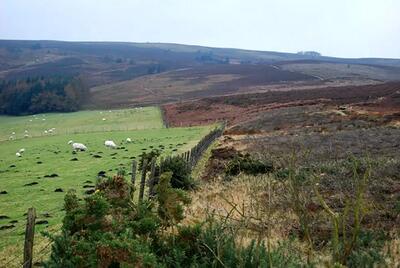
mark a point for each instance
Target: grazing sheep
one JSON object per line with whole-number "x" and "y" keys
{"x": 18, "y": 154}
{"x": 128, "y": 140}
{"x": 79, "y": 147}
{"x": 50, "y": 131}
{"x": 13, "y": 133}
{"x": 110, "y": 144}
{"x": 104, "y": 119}
{"x": 45, "y": 132}
{"x": 26, "y": 136}
{"x": 70, "y": 142}
{"x": 21, "y": 150}
{"x": 26, "y": 131}
{"x": 11, "y": 138}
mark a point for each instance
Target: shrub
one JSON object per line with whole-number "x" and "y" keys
{"x": 170, "y": 201}
{"x": 368, "y": 252}
{"x": 104, "y": 231}
{"x": 148, "y": 156}
{"x": 181, "y": 174}
{"x": 247, "y": 165}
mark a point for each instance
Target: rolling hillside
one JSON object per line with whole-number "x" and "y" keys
{"x": 132, "y": 74}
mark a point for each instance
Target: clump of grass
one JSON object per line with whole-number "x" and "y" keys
{"x": 345, "y": 241}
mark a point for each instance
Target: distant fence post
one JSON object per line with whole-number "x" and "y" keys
{"x": 143, "y": 180}
{"x": 152, "y": 178}
{"x": 29, "y": 236}
{"x": 133, "y": 177}
{"x": 164, "y": 117}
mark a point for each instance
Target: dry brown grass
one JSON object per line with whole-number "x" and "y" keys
{"x": 244, "y": 202}
{"x": 12, "y": 256}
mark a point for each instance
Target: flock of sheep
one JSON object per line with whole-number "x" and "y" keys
{"x": 26, "y": 133}
{"x": 76, "y": 146}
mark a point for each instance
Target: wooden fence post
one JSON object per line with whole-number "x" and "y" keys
{"x": 29, "y": 236}
{"x": 161, "y": 164}
{"x": 152, "y": 179}
{"x": 143, "y": 180}
{"x": 133, "y": 178}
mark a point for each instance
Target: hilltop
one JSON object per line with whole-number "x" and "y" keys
{"x": 124, "y": 74}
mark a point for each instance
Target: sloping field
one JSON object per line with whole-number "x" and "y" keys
{"x": 190, "y": 83}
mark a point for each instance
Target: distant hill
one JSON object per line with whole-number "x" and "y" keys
{"x": 105, "y": 66}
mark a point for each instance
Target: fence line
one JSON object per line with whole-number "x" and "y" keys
{"x": 190, "y": 157}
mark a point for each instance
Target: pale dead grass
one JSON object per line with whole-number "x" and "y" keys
{"x": 12, "y": 256}
{"x": 244, "y": 203}
{"x": 392, "y": 250}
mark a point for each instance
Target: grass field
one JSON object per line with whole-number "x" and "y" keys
{"x": 25, "y": 181}
{"x": 80, "y": 122}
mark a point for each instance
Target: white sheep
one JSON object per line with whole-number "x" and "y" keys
{"x": 50, "y": 130}
{"x": 18, "y": 154}
{"x": 104, "y": 119}
{"x": 11, "y": 138}
{"x": 45, "y": 132}
{"x": 21, "y": 150}
{"x": 79, "y": 146}
{"x": 128, "y": 140}
{"x": 26, "y": 131}
{"x": 13, "y": 133}
{"x": 110, "y": 144}
{"x": 26, "y": 136}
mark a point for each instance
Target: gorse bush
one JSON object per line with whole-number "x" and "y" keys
{"x": 247, "y": 165}
{"x": 148, "y": 156}
{"x": 181, "y": 174}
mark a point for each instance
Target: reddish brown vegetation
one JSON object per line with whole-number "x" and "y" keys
{"x": 240, "y": 108}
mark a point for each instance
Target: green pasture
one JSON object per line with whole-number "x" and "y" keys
{"x": 79, "y": 122}
{"x": 49, "y": 163}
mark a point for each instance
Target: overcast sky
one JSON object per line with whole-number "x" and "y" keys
{"x": 346, "y": 28}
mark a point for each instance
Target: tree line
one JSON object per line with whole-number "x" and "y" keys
{"x": 40, "y": 95}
